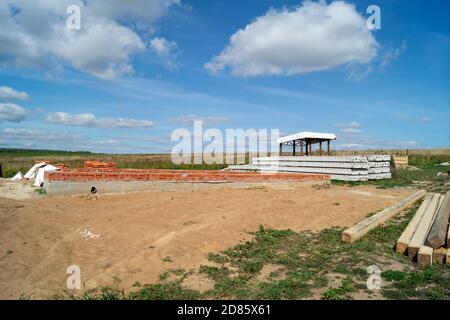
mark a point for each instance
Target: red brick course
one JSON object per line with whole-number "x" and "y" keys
{"x": 177, "y": 176}
{"x": 62, "y": 166}
{"x": 93, "y": 164}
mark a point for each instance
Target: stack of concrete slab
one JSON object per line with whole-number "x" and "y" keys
{"x": 347, "y": 168}
{"x": 379, "y": 167}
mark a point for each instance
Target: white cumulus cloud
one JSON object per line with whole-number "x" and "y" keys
{"x": 10, "y": 93}
{"x": 162, "y": 46}
{"x": 12, "y": 113}
{"x": 314, "y": 36}
{"x": 34, "y": 33}
{"x": 90, "y": 120}
{"x": 143, "y": 13}
{"x": 103, "y": 50}
{"x": 166, "y": 50}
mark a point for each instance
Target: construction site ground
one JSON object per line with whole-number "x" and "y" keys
{"x": 121, "y": 240}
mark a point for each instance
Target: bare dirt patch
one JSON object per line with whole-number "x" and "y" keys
{"x": 143, "y": 234}
{"x": 270, "y": 272}
{"x": 17, "y": 190}
{"x": 198, "y": 282}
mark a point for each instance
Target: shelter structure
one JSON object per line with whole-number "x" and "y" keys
{"x": 305, "y": 140}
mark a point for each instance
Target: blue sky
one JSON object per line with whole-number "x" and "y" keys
{"x": 134, "y": 73}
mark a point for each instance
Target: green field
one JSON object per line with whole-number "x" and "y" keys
{"x": 423, "y": 172}
{"x": 14, "y": 160}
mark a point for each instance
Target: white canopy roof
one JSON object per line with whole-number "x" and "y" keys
{"x": 307, "y": 135}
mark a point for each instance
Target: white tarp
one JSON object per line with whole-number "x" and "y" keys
{"x": 32, "y": 172}
{"x": 17, "y": 177}
{"x": 40, "y": 174}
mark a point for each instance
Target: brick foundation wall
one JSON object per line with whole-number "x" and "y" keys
{"x": 176, "y": 176}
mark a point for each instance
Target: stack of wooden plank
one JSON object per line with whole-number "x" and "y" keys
{"x": 426, "y": 239}
{"x": 400, "y": 162}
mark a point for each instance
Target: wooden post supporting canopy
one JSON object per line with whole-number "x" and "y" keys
{"x": 306, "y": 140}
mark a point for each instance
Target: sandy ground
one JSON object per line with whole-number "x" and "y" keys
{"x": 17, "y": 190}
{"x": 134, "y": 237}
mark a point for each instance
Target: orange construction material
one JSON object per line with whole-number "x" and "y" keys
{"x": 62, "y": 166}
{"x": 92, "y": 164}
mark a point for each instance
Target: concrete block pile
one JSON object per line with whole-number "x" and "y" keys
{"x": 346, "y": 168}
{"x": 379, "y": 167}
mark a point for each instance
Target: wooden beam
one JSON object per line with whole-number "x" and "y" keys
{"x": 301, "y": 148}
{"x": 357, "y": 231}
{"x": 281, "y": 149}
{"x": 320, "y": 147}
{"x": 307, "y": 147}
{"x": 425, "y": 256}
{"x": 328, "y": 147}
{"x": 448, "y": 237}
{"x": 440, "y": 202}
{"x": 439, "y": 255}
{"x": 405, "y": 238}
{"x": 418, "y": 240}
{"x": 293, "y": 149}
{"x": 438, "y": 232}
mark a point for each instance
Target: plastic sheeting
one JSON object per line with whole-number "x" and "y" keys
{"x": 17, "y": 177}
{"x": 32, "y": 172}
{"x": 40, "y": 174}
